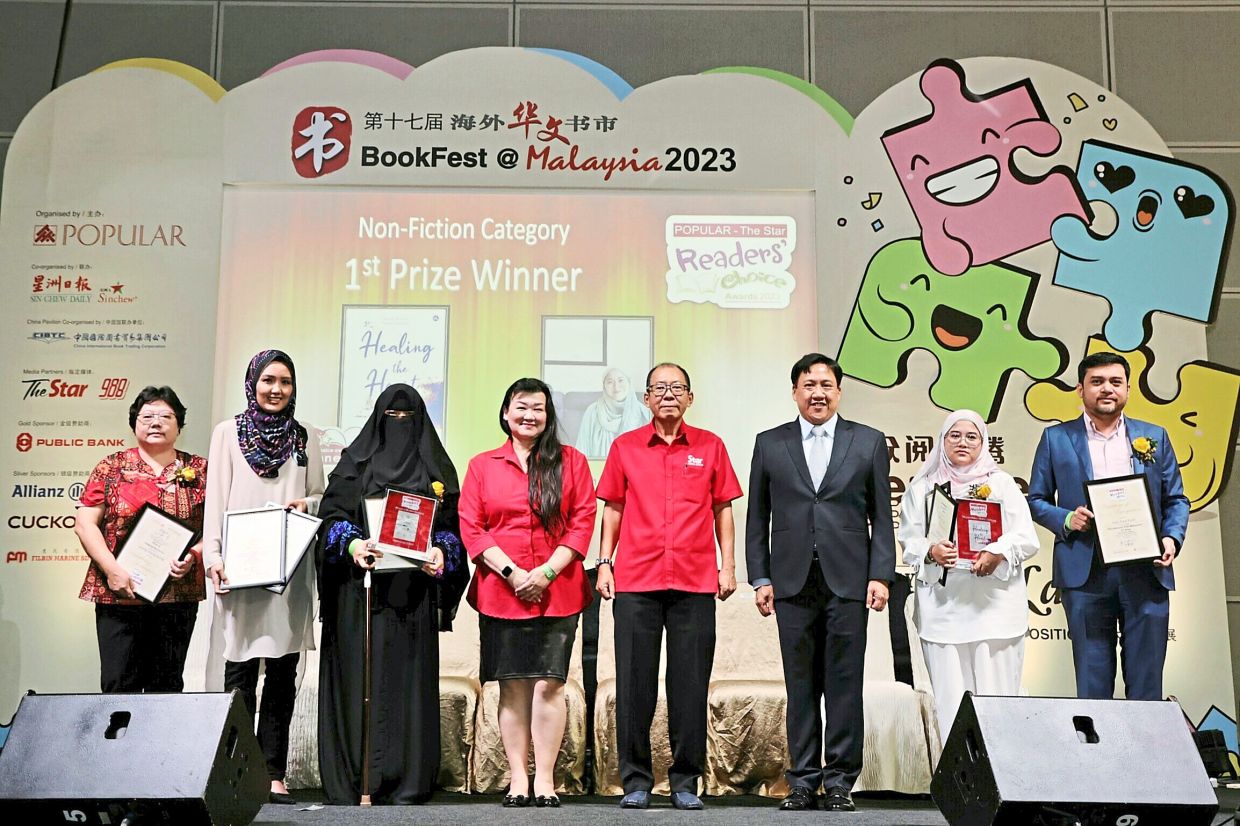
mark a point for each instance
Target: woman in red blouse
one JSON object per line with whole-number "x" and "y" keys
{"x": 527, "y": 515}
{"x": 142, "y": 646}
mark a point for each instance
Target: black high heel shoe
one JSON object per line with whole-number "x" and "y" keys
{"x": 548, "y": 801}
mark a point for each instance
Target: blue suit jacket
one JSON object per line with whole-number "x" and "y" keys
{"x": 1061, "y": 466}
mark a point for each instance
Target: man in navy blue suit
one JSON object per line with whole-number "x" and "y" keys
{"x": 1098, "y": 598}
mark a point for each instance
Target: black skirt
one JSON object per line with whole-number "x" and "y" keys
{"x": 527, "y": 648}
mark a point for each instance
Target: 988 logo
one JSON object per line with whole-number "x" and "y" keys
{"x": 113, "y": 388}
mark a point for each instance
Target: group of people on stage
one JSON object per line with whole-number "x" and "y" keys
{"x": 819, "y": 546}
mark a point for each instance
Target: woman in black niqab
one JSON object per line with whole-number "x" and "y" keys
{"x": 397, "y": 448}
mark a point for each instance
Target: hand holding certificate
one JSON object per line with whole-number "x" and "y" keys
{"x": 1123, "y": 518}
{"x": 152, "y": 544}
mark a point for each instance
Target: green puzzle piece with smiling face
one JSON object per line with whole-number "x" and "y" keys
{"x": 973, "y": 323}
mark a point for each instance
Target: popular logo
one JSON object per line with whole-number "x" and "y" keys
{"x": 322, "y": 136}
{"x": 24, "y": 442}
{"x": 44, "y": 235}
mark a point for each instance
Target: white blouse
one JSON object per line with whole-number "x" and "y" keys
{"x": 255, "y": 622}
{"x": 968, "y": 608}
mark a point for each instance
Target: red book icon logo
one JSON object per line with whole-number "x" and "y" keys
{"x": 321, "y": 139}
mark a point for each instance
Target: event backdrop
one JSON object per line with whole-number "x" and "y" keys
{"x": 963, "y": 242}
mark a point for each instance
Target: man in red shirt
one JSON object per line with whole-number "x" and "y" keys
{"x": 668, "y": 490}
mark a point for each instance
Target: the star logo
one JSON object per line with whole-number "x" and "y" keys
{"x": 116, "y": 288}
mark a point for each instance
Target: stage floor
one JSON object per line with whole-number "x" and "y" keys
{"x": 468, "y": 810}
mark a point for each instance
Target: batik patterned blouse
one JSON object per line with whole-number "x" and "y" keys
{"x": 121, "y": 484}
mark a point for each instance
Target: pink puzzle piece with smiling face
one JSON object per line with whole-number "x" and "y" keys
{"x": 955, "y": 165}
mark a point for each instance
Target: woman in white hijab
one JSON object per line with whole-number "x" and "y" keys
{"x": 972, "y": 622}
{"x": 617, "y": 411}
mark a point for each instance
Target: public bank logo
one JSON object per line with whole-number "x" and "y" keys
{"x": 322, "y": 136}
{"x": 24, "y": 442}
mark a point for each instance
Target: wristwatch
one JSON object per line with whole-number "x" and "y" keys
{"x": 604, "y": 562}
{"x": 506, "y": 572}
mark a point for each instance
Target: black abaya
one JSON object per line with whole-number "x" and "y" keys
{"x": 410, "y": 608}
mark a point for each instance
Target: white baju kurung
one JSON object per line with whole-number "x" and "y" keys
{"x": 972, "y": 628}
{"x": 254, "y": 622}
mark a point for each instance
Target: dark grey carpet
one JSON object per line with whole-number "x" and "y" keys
{"x": 484, "y": 810}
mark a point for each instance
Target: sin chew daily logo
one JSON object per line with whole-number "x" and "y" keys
{"x": 322, "y": 136}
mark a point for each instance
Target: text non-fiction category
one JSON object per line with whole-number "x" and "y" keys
{"x": 445, "y": 229}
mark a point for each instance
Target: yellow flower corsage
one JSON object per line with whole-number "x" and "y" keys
{"x": 981, "y": 491}
{"x": 437, "y": 488}
{"x": 185, "y": 476}
{"x": 1144, "y": 448}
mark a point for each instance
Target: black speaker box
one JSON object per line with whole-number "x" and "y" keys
{"x": 1035, "y": 760}
{"x": 184, "y": 759}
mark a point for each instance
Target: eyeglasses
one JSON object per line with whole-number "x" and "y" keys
{"x": 151, "y": 418}
{"x": 955, "y": 437}
{"x": 398, "y": 414}
{"x": 678, "y": 389}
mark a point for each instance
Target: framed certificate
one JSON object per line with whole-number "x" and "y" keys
{"x": 940, "y": 514}
{"x": 1123, "y": 518}
{"x": 300, "y": 531}
{"x": 374, "y": 518}
{"x": 406, "y": 526}
{"x": 978, "y": 523}
{"x": 253, "y": 547}
{"x": 154, "y": 541}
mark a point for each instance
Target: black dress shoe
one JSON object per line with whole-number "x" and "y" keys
{"x": 839, "y": 800}
{"x": 517, "y": 801}
{"x": 547, "y": 801}
{"x": 800, "y": 799}
{"x": 282, "y": 798}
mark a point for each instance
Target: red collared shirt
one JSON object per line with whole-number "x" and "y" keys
{"x": 669, "y": 493}
{"x": 495, "y": 512}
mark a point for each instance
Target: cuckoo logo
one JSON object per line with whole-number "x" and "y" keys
{"x": 322, "y": 136}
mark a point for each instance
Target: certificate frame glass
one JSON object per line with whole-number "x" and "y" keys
{"x": 1123, "y": 523}
{"x": 143, "y": 552}
{"x": 258, "y": 534}
{"x": 940, "y": 514}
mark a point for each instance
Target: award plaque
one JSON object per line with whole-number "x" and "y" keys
{"x": 978, "y": 523}
{"x": 1123, "y": 518}
{"x": 406, "y": 527}
{"x": 374, "y": 518}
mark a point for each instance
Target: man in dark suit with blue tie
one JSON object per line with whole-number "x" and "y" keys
{"x": 821, "y": 551}
{"x": 1098, "y": 598}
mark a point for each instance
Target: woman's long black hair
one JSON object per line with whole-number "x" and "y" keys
{"x": 546, "y": 458}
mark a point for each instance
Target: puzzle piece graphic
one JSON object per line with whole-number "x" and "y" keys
{"x": 974, "y": 324}
{"x": 974, "y": 206}
{"x": 1169, "y": 246}
{"x": 1201, "y": 421}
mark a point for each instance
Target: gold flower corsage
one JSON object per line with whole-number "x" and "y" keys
{"x": 1144, "y": 448}
{"x": 437, "y": 488}
{"x": 185, "y": 476}
{"x": 979, "y": 491}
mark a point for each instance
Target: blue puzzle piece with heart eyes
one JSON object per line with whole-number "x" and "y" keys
{"x": 1173, "y": 224}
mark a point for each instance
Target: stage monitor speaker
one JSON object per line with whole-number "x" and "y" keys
{"x": 1035, "y": 760}
{"x": 108, "y": 759}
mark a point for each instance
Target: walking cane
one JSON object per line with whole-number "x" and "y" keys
{"x": 365, "y": 801}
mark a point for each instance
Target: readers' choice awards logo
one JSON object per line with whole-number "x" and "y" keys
{"x": 322, "y": 136}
